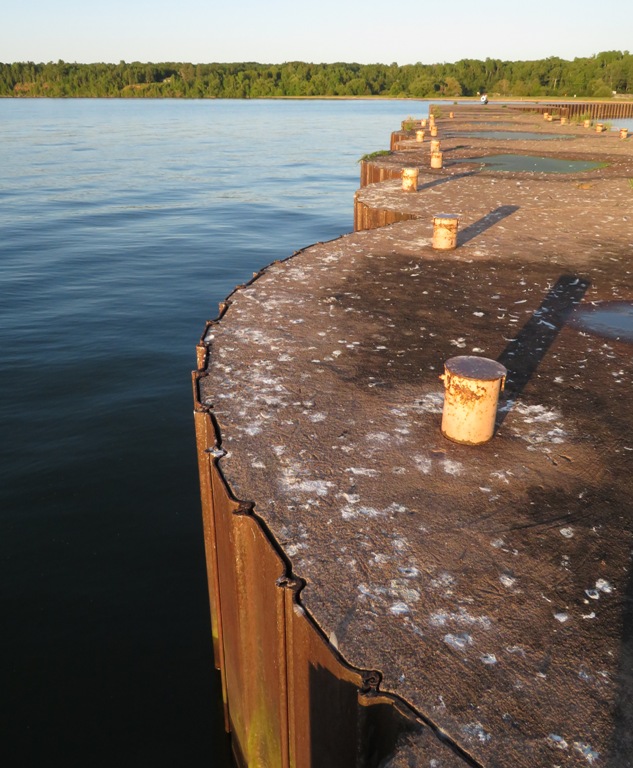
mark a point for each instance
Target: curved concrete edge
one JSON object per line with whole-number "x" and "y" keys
{"x": 290, "y": 698}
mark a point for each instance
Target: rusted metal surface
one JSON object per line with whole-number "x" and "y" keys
{"x": 371, "y": 217}
{"x": 597, "y": 109}
{"x": 410, "y": 179}
{"x": 205, "y": 437}
{"x": 399, "y": 138}
{"x": 471, "y": 393}
{"x": 370, "y": 173}
{"x": 252, "y": 633}
{"x": 445, "y": 228}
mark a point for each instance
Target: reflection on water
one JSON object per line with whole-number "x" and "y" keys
{"x": 123, "y": 223}
{"x": 613, "y": 319}
{"x": 530, "y": 163}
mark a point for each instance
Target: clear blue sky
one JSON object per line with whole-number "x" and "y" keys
{"x": 274, "y": 31}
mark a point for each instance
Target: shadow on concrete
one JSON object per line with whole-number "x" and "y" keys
{"x": 487, "y": 221}
{"x": 447, "y": 179}
{"x": 622, "y": 739}
{"x": 524, "y": 353}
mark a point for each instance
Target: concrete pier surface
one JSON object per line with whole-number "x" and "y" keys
{"x": 489, "y": 585}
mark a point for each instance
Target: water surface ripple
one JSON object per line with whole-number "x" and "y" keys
{"x": 122, "y": 225}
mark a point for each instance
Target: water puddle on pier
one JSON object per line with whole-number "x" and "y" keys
{"x": 511, "y": 135}
{"x": 529, "y": 163}
{"x": 613, "y": 320}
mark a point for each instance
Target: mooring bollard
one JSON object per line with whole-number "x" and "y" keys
{"x": 435, "y": 145}
{"x": 587, "y": 123}
{"x": 436, "y": 159}
{"x": 434, "y": 130}
{"x": 419, "y": 135}
{"x": 624, "y": 132}
{"x": 445, "y": 227}
{"x": 410, "y": 179}
{"x": 471, "y": 395}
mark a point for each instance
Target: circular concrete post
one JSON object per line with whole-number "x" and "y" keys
{"x": 586, "y": 123}
{"x": 436, "y": 160}
{"x": 434, "y": 130}
{"x": 423, "y": 123}
{"x": 419, "y": 135}
{"x": 471, "y": 394}
{"x": 563, "y": 121}
{"x": 435, "y": 145}
{"x": 599, "y": 127}
{"x": 624, "y": 132}
{"x": 445, "y": 227}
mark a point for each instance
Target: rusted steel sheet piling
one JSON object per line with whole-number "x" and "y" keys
{"x": 370, "y": 173}
{"x": 602, "y": 110}
{"x": 369, "y": 217}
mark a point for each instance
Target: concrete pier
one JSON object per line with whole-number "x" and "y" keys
{"x": 382, "y": 595}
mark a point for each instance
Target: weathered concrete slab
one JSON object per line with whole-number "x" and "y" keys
{"x": 490, "y": 585}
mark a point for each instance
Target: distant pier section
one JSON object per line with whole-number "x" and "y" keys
{"x": 381, "y": 593}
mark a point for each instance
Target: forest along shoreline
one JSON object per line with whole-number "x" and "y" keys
{"x": 604, "y": 75}
{"x": 488, "y": 587}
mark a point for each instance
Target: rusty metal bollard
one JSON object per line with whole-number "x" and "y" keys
{"x": 410, "y": 179}
{"x": 436, "y": 160}
{"x": 471, "y": 395}
{"x": 445, "y": 227}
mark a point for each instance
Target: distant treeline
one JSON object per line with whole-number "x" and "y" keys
{"x": 597, "y": 76}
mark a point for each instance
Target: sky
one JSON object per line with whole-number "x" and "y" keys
{"x": 275, "y": 31}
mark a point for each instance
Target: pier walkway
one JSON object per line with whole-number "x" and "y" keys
{"x": 381, "y": 595}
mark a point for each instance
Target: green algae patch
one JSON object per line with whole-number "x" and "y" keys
{"x": 374, "y": 155}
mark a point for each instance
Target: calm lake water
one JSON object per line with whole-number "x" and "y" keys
{"x": 122, "y": 225}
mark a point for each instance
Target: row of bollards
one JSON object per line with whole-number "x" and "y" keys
{"x": 471, "y": 384}
{"x": 599, "y": 127}
{"x": 410, "y": 175}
